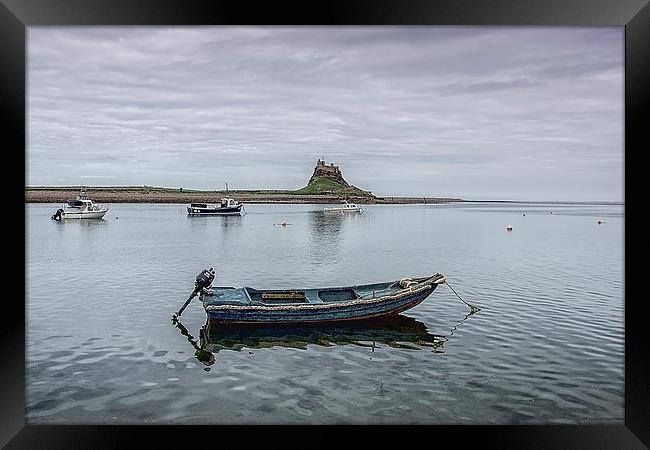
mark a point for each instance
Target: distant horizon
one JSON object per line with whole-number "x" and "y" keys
{"x": 480, "y": 112}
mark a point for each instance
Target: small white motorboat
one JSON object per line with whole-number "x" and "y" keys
{"x": 80, "y": 208}
{"x": 347, "y": 207}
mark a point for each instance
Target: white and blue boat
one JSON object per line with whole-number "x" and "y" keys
{"x": 227, "y": 207}
{"x": 346, "y": 207}
{"x": 81, "y": 207}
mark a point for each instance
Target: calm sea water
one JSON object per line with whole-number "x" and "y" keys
{"x": 546, "y": 347}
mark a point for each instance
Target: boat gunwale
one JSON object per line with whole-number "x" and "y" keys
{"x": 367, "y": 317}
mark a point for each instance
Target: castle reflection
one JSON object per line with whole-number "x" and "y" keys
{"x": 325, "y": 236}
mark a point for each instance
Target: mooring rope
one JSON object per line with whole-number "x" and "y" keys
{"x": 110, "y": 205}
{"x": 472, "y": 308}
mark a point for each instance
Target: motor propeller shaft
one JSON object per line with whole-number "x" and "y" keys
{"x": 203, "y": 281}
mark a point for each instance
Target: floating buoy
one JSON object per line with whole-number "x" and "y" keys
{"x": 524, "y": 214}
{"x": 599, "y": 221}
{"x": 509, "y": 228}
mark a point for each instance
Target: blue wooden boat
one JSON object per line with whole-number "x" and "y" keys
{"x": 253, "y": 306}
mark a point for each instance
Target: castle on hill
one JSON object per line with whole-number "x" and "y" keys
{"x": 332, "y": 172}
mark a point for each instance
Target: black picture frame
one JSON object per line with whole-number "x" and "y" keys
{"x": 17, "y": 15}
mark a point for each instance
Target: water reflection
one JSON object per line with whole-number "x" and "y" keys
{"x": 325, "y": 235}
{"x": 229, "y": 223}
{"x": 396, "y": 331}
{"x": 204, "y": 356}
{"x": 206, "y": 224}
{"x": 323, "y": 225}
{"x": 83, "y": 224}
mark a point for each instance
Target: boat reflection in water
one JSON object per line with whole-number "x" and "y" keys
{"x": 395, "y": 331}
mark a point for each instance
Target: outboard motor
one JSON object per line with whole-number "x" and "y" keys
{"x": 203, "y": 281}
{"x": 57, "y": 214}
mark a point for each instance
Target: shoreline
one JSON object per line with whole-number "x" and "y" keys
{"x": 162, "y": 195}
{"x": 165, "y": 195}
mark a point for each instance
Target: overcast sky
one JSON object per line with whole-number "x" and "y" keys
{"x": 519, "y": 113}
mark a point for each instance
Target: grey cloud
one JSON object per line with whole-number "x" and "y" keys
{"x": 431, "y": 109}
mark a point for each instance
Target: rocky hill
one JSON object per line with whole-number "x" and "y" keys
{"x": 328, "y": 179}
{"x": 330, "y": 172}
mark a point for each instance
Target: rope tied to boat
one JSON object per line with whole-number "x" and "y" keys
{"x": 472, "y": 309}
{"x": 407, "y": 282}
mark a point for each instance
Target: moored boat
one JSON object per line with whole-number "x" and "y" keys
{"x": 81, "y": 207}
{"x": 347, "y": 207}
{"x": 228, "y": 206}
{"x": 272, "y": 306}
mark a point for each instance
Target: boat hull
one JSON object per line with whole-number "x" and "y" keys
{"x": 194, "y": 211}
{"x": 342, "y": 209}
{"x": 84, "y": 215}
{"x": 366, "y": 307}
